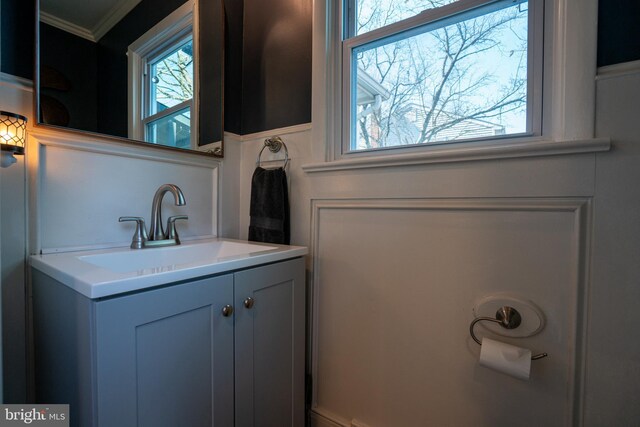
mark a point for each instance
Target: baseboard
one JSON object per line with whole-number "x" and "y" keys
{"x": 323, "y": 418}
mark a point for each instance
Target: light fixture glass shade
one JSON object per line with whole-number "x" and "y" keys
{"x": 13, "y": 132}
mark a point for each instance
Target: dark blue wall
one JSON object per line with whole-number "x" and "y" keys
{"x": 211, "y": 73}
{"x": 75, "y": 59}
{"x": 17, "y": 19}
{"x": 276, "y": 60}
{"x": 233, "y": 14}
{"x": 618, "y": 31}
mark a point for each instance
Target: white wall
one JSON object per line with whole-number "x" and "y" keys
{"x": 613, "y": 363}
{"x": 397, "y": 251}
{"x": 400, "y": 254}
{"x": 79, "y": 189}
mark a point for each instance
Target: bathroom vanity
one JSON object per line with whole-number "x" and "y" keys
{"x": 207, "y": 333}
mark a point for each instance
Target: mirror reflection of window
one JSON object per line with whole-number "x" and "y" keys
{"x": 162, "y": 82}
{"x": 169, "y": 82}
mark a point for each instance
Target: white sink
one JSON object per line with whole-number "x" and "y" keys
{"x": 172, "y": 257}
{"x": 107, "y": 272}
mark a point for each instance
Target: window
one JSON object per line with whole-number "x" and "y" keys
{"x": 424, "y": 72}
{"x": 168, "y": 87}
{"x": 162, "y": 82}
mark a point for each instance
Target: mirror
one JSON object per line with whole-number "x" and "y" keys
{"x": 149, "y": 71}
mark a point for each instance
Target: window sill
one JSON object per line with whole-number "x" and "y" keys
{"x": 466, "y": 154}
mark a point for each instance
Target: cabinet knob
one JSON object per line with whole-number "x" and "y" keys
{"x": 227, "y": 310}
{"x": 248, "y": 302}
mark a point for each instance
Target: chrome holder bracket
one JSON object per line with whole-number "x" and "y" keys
{"x": 508, "y": 318}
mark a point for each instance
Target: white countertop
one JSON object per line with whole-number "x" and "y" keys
{"x": 106, "y": 272}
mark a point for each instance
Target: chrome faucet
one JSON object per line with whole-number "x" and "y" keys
{"x": 157, "y": 235}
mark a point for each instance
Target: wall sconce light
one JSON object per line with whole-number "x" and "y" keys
{"x": 13, "y": 133}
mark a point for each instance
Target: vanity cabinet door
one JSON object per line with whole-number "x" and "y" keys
{"x": 165, "y": 357}
{"x": 269, "y": 345}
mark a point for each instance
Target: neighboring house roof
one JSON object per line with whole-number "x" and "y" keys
{"x": 368, "y": 88}
{"x": 405, "y": 128}
{"x": 475, "y": 128}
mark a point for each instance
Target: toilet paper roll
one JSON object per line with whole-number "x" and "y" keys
{"x": 502, "y": 357}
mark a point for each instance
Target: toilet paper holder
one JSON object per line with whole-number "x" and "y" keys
{"x": 507, "y": 317}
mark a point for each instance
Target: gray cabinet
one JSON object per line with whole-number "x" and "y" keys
{"x": 269, "y": 344}
{"x": 165, "y": 357}
{"x": 170, "y": 356}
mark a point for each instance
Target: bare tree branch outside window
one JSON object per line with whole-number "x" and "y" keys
{"x": 172, "y": 86}
{"x": 464, "y": 80}
{"x": 173, "y": 77}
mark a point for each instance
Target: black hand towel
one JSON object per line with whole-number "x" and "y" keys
{"x": 269, "y": 208}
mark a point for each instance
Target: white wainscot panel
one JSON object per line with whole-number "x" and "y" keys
{"x": 395, "y": 282}
{"x": 81, "y": 189}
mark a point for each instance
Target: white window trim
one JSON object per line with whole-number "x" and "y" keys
{"x": 437, "y": 18}
{"x": 570, "y": 42}
{"x": 184, "y": 19}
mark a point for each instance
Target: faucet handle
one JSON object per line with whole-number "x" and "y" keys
{"x": 172, "y": 233}
{"x": 140, "y": 235}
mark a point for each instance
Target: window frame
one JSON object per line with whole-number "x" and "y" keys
{"x": 422, "y": 23}
{"x": 148, "y": 98}
{"x": 168, "y": 34}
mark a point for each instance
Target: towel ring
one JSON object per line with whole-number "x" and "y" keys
{"x": 275, "y": 143}
{"x": 508, "y": 318}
